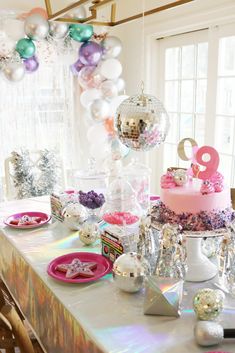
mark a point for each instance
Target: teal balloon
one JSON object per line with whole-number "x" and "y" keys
{"x": 26, "y": 48}
{"x": 80, "y": 32}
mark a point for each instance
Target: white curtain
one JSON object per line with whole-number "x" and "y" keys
{"x": 40, "y": 112}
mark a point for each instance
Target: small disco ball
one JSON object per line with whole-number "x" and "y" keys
{"x": 142, "y": 122}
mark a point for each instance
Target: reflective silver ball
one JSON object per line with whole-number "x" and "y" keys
{"x": 208, "y": 303}
{"x": 89, "y": 232}
{"x": 36, "y": 27}
{"x": 142, "y": 122}
{"x": 180, "y": 177}
{"x": 58, "y": 30}
{"x": 14, "y": 71}
{"x": 129, "y": 272}
{"x": 74, "y": 215}
{"x": 208, "y": 333}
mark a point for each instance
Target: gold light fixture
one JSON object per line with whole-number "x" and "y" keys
{"x": 93, "y": 17}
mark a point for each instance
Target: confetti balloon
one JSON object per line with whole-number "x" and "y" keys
{"x": 89, "y": 77}
{"x": 112, "y": 47}
{"x": 142, "y": 122}
{"x": 36, "y": 27}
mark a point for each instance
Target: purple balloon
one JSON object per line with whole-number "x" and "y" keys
{"x": 90, "y": 53}
{"x": 76, "y": 67}
{"x": 31, "y": 64}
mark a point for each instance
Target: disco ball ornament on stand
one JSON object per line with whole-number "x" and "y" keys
{"x": 74, "y": 215}
{"x": 129, "y": 272}
{"x": 142, "y": 122}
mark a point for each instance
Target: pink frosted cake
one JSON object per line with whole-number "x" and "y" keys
{"x": 194, "y": 204}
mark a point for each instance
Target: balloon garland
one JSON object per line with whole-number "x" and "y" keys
{"x": 97, "y": 68}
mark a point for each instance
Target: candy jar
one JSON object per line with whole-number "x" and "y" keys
{"x": 121, "y": 207}
{"x": 92, "y": 179}
{"x": 93, "y": 202}
{"x": 138, "y": 175}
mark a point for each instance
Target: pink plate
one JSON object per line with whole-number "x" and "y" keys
{"x": 103, "y": 266}
{"x": 45, "y": 218}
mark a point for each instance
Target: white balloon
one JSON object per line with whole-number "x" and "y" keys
{"x": 100, "y": 109}
{"x": 111, "y": 69}
{"x": 97, "y": 132}
{"x": 109, "y": 89}
{"x": 88, "y": 96}
{"x": 14, "y": 29}
{"x": 120, "y": 84}
{"x": 77, "y": 13}
{"x": 99, "y": 151}
{"x": 115, "y": 102}
{"x": 14, "y": 71}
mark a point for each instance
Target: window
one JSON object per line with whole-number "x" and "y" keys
{"x": 198, "y": 88}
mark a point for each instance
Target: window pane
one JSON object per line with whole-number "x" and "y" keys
{"x": 202, "y": 60}
{"x": 226, "y": 96}
{"x": 187, "y": 96}
{"x": 224, "y": 134}
{"x": 172, "y": 63}
{"x": 188, "y": 61}
{"x": 201, "y": 96}
{"x": 186, "y": 125}
{"x": 173, "y": 131}
{"x": 170, "y": 156}
{"x": 227, "y": 56}
{"x": 225, "y": 167}
{"x": 200, "y": 129}
{"x": 171, "y": 96}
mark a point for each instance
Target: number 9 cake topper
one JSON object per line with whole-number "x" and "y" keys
{"x": 197, "y": 159}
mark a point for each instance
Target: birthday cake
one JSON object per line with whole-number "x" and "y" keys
{"x": 195, "y": 204}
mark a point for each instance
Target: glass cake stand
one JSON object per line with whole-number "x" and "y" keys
{"x": 200, "y": 268}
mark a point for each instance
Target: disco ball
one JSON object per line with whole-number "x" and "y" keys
{"x": 142, "y": 122}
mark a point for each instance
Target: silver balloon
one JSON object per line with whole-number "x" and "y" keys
{"x": 36, "y": 27}
{"x": 99, "y": 109}
{"x": 14, "y": 71}
{"x": 74, "y": 215}
{"x": 142, "y": 122}
{"x": 77, "y": 13}
{"x": 120, "y": 84}
{"x": 109, "y": 89}
{"x": 112, "y": 47}
{"x": 129, "y": 272}
{"x": 89, "y": 232}
{"x": 58, "y": 30}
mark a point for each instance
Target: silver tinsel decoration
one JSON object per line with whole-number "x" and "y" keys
{"x": 49, "y": 168}
{"x": 23, "y": 177}
{"x": 148, "y": 244}
{"x": 26, "y": 181}
{"x": 172, "y": 255}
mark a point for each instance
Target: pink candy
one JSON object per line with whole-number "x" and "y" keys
{"x": 167, "y": 181}
{"x": 207, "y": 188}
{"x": 217, "y": 178}
{"x": 120, "y": 218}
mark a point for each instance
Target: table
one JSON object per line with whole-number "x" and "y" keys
{"x": 93, "y": 317}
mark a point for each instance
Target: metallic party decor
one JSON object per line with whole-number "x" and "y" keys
{"x": 208, "y": 303}
{"x": 163, "y": 296}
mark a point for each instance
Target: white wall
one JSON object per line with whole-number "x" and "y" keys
{"x": 192, "y": 16}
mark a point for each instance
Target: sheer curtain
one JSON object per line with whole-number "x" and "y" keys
{"x": 40, "y": 112}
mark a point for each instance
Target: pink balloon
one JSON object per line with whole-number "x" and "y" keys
{"x": 89, "y": 77}
{"x": 39, "y": 11}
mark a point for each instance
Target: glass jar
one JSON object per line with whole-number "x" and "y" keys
{"x": 121, "y": 207}
{"x": 92, "y": 179}
{"x": 138, "y": 175}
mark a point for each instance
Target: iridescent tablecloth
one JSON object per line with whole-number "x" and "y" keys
{"x": 93, "y": 317}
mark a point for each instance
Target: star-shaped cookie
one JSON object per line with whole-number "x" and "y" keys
{"x": 77, "y": 268}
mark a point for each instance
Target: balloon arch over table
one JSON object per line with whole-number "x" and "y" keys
{"x": 97, "y": 69}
